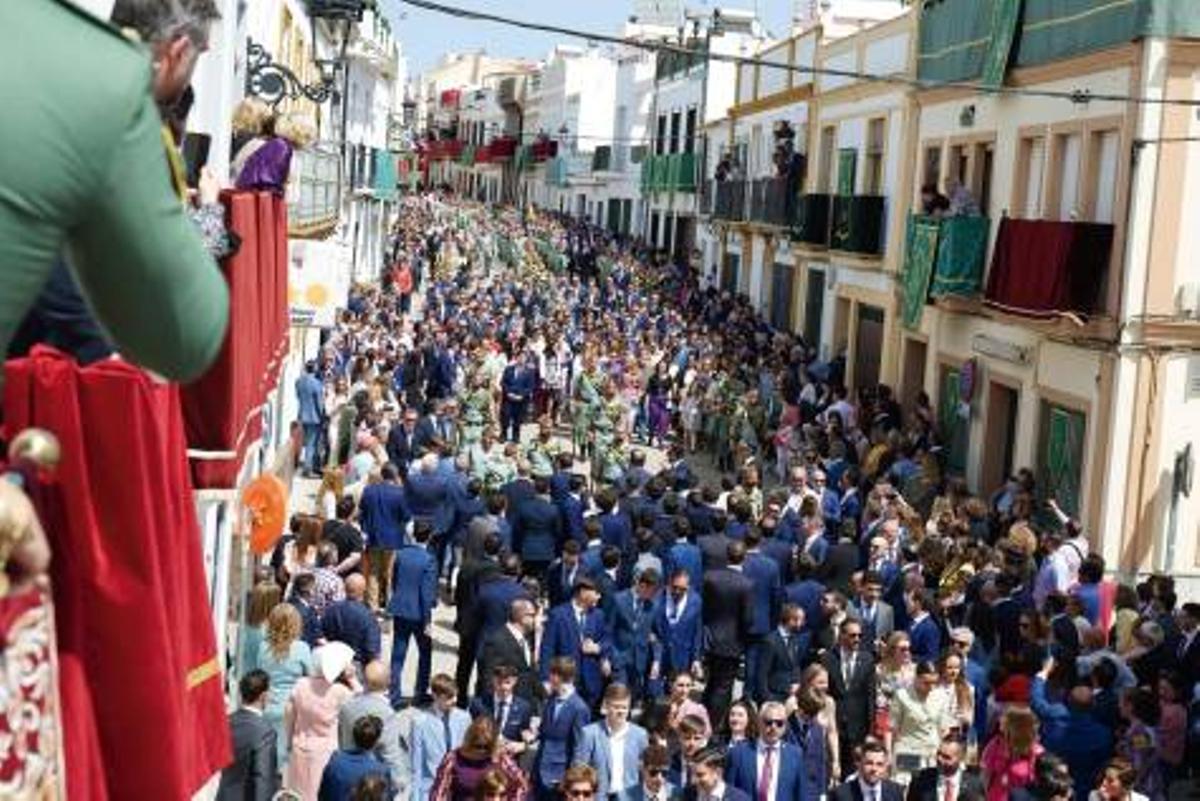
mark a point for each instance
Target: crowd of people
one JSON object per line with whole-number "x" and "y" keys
{"x": 682, "y": 559}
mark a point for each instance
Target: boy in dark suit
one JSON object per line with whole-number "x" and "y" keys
{"x": 562, "y": 725}
{"x": 413, "y": 597}
{"x": 577, "y": 630}
{"x": 949, "y": 779}
{"x": 511, "y": 713}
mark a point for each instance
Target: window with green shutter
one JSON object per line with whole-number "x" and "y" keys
{"x": 955, "y": 428}
{"x": 1060, "y": 460}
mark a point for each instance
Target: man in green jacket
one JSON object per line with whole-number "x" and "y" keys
{"x": 83, "y": 169}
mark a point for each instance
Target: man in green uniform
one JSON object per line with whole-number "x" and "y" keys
{"x": 84, "y": 168}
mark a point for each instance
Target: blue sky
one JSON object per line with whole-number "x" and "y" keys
{"x": 425, "y": 35}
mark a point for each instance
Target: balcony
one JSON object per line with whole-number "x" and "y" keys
{"x": 222, "y": 408}
{"x": 445, "y": 149}
{"x": 502, "y": 148}
{"x": 812, "y": 220}
{"x": 1044, "y": 268}
{"x": 856, "y": 224}
{"x": 669, "y": 172}
{"x": 943, "y": 257}
{"x": 544, "y": 150}
{"x": 770, "y": 203}
{"x": 313, "y": 193}
{"x": 730, "y": 201}
{"x": 602, "y": 158}
{"x": 672, "y": 64}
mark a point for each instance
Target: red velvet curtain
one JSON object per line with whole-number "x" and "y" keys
{"x": 143, "y": 709}
{"x": 221, "y": 408}
{"x": 1042, "y": 268}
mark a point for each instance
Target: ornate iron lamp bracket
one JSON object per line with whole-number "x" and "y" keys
{"x": 271, "y": 82}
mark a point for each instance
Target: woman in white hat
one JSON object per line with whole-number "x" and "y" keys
{"x": 311, "y": 717}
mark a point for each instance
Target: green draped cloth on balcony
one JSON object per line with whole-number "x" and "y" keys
{"x": 384, "y": 185}
{"x": 921, "y": 252}
{"x": 962, "y": 244}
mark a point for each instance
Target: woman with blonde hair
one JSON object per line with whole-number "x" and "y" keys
{"x": 253, "y": 121}
{"x": 269, "y": 167}
{"x": 263, "y": 597}
{"x": 286, "y": 658}
{"x": 1008, "y": 758}
{"x": 894, "y": 672}
{"x": 815, "y": 681}
{"x": 333, "y": 487}
{"x": 463, "y": 771}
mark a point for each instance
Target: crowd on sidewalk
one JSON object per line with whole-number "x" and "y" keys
{"x": 683, "y": 561}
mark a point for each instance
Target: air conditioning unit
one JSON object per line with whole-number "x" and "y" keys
{"x": 1187, "y": 301}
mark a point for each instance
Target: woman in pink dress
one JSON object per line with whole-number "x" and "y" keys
{"x": 311, "y": 717}
{"x": 1008, "y": 759}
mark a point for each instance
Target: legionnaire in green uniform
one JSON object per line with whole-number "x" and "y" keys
{"x": 542, "y": 452}
{"x": 584, "y": 406}
{"x": 84, "y": 171}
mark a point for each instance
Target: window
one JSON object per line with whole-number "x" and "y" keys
{"x": 755, "y": 167}
{"x": 956, "y": 170}
{"x": 689, "y": 137}
{"x": 955, "y": 427}
{"x": 1105, "y": 148}
{"x": 660, "y": 138}
{"x": 1060, "y": 455}
{"x": 1068, "y": 152}
{"x": 825, "y": 167}
{"x": 981, "y": 179}
{"x": 675, "y": 120}
{"x": 1031, "y": 168}
{"x": 931, "y": 168}
{"x": 874, "y": 167}
{"x": 847, "y": 171}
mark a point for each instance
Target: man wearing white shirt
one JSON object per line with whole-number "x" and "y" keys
{"x": 654, "y": 786}
{"x": 769, "y": 769}
{"x": 947, "y": 781}
{"x": 613, "y": 746}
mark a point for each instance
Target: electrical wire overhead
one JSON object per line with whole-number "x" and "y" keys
{"x": 1078, "y": 96}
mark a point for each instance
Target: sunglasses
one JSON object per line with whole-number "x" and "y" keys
{"x": 656, "y": 771}
{"x": 589, "y": 793}
{"x": 780, "y": 722}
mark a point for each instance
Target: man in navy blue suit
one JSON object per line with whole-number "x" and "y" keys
{"x": 679, "y": 628}
{"x": 511, "y": 713}
{"x": 682, "y": 553}
{"x": 428, "y": 495}
{"x": 570, "y": 506}
{"x": 635, "y": 648}
{"x": 562, "y": 724}
{"x": 762, "y": 570}
{"x": 769, "y": 769}
{"x": 577, "y": 629}
{"x": 517, "y": 383}
{"x": 709, "y": 767}
{"x": 923, "y": 632}
{"x": 495, "y": 597}
{"x": 311, "y": 398}
{"x": 562, "y": 573}
{"x": 384, "y": 515}
{"x": 537, "y": 530}
{"x": 414, "y": 595}
{"x": 785, "y": 655}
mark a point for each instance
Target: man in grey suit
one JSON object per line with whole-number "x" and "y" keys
{"x": 877, "y": 616}
{"x": 252, "y": 776}
{"x": 613, "y": 746}
{"x": 374, "y": 701}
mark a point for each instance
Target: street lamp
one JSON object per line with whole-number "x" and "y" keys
{"x": 271, "y": 81}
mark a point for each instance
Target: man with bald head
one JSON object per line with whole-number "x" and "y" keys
{"x": 351, "y": 621}
{"x": 374, "y": 701}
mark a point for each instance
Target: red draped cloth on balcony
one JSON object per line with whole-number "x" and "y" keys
{"x": 223, "y": 408}
{"x": 142, "y": 705}
{"x": 1042, "y": 268}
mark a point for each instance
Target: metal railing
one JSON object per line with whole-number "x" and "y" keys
{"x": 314, "y": 197}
